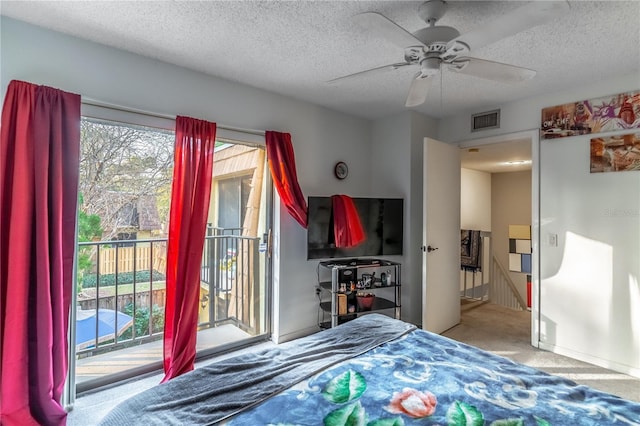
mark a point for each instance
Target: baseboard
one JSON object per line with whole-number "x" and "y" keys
{"x": 294, "y": 335}
{"x": 600, "y": 362}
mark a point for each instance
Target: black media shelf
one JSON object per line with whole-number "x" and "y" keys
{"x": 333, "y": 273}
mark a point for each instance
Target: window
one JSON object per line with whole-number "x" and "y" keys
{"x": 233, "y": 198}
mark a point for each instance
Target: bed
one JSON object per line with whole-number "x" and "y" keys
{"x": 374, "y": 371}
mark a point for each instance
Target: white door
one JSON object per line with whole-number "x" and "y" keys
{"x": 441, "y": 237}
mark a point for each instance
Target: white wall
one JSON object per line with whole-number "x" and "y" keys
{"x": 590, "y": 290}
{"x": 475, "y": 200}
{"x": 398, "y": 141}
{"x": 392, "y": 143}
{"x": 590, "y": 283}
{"x": 320, "y": 136}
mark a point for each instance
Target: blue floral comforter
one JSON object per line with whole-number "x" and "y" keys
{"x": 423, "y": 378}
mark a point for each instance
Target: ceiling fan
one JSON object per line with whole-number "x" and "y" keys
{"x": 434, "y": 47}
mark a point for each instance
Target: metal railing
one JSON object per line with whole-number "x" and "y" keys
{"x": 125, "y": 308}
{"x": 230, "y": 268}
{"x": 474, "y": 283}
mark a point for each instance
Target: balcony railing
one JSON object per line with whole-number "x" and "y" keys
{"x": 122, "y": 289}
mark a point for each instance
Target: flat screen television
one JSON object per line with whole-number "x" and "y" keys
{"x": 382, "y": 220}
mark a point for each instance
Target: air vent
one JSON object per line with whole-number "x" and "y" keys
{"x": 485, "y": 120}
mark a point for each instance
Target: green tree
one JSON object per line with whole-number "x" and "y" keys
{"x": 119, "y": 164}
{"x": 89, "y": 227}
{"x": 141, "y": 320}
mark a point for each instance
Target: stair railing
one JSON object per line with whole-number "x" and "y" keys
{"x": 502, "y": 290}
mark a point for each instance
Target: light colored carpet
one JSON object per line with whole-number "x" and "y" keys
{"x": 507, "y": 332}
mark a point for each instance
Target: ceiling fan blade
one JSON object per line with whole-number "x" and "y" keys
{"x": 377, "y": 70}
{"x": 491, "y": 70}
{"x": 386, "y": 28}
{"x": 528, "y": 16}
{"x": 418, "y": 90}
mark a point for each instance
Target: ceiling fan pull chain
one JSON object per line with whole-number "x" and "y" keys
{"x": 441, "y": 89}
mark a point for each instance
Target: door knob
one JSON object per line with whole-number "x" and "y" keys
{"x": 430, "y": 249}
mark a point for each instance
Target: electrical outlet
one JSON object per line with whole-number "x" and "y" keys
{"x": 553, "y": 240}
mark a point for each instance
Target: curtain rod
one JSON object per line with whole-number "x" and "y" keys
{"x": 93, "y": 102}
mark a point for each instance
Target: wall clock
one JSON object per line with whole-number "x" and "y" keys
{"x": 341, "y": 170}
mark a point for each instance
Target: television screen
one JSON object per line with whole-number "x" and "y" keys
{"x": 382, "y": 220}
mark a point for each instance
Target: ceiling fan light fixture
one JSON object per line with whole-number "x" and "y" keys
{"x": 429, "y": 66}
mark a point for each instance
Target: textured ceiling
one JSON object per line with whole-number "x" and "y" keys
{"x": 294, "y": 47}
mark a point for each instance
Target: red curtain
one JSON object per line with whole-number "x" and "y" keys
{"x": 39, "y": 160}
{"x": 347, "y": 227}
{"x": 282, "y": 164}
{"x": 190, "y": 193}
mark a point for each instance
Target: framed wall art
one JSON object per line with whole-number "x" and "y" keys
{"x": 615, "y": 153}
{"x": 608, "y": 113}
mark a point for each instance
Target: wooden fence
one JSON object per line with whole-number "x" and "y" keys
{"x": 129, "y": 259}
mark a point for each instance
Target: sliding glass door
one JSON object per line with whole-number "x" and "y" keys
{"x": 117, "y": 318}
{"x": 234, "y": 291}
